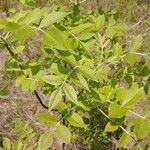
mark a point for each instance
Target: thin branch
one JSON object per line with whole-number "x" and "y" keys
{"x": 132, "y": 112}
{"x": 40, "y": 100}
{"x": 121, "y": 127}
{"x": 8, "y": 48}
{"x": 138, "y": 115}
{"x": 140, "y": 21}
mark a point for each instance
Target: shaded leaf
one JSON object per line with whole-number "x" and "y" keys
{"x": 3, "y": 92}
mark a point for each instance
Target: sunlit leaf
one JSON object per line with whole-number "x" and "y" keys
{"x": 7, "y": 143}
{"x": 137, "y": 43}
{"x": 55, "y": 99}
{"x": 124, "y": 140}
{"x": 110, "y": 127}
{"x": 47, "y": 119}
{"x": 70, "y": 92}
{"x": 63, "y": 133}
{"x": 52, "y": 18}
{"x": 45, "y": 141}
{"x": 116, "y": 111}
{"x": 76, "y": 120}
{"x": 52, "y": 79}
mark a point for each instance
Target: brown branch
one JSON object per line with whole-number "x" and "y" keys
{"x": 21, "y": 67}
{"x": 40, "y": 100}
{"x": 8, "y": 48}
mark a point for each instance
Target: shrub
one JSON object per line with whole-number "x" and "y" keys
{"x": 93, "y": 77}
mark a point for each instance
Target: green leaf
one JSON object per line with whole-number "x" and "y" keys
{"x": 23, "y": 33}
{"x": 70, "y": 92}
{"x": 132, "y": 96}
{"x": 82, "y": 28}
{"x": 68, "y": 57}
{"x": 135, "y": 147}
{"x": 54, "y": 38}
{"x": 3, "y": 92}
{"x": 62, "y": 107}
{"x": 20, "y": 125}
{"x": 34, "y": 16}
{"x": 72, "y": 44}
{"x": 81, "y": 105}
{"x": 7, "y": 143}
{"x": 12, "y": 26}
{"x": 63, "y": 133}
{"x": 120, "y": 93}
{"x": 83, "y": 82}
{"x": 117, "y": 49}
{"x": 58, "y": 69}
{"x": 87, "y": 46}
{"x": 141, "y": 128}
{"x": 52, "y": 18}
{"x": 55, "y": 99}
{"x": 128, "y": 79}
{"x": 3, "y": 23}
{"x": 136, "y": 43}
{"x": 19, "y": 49}
{"x": 18, "y": 145}
{"x": 52, "y": 79}
{"x": 47, "y": 119}
{"x": 110, "y": 32}
{"x": 20, "y": 80}
{"x": 100, "y": 22}
{"x": 124, "y": 140}
{"x": 131, "y": 58}
{"x": 147, "y": 112}
{"x": 116, "y": 111}
{"x": 110, "y": 127}
{"x": 76, "y": 120}
{"x": 35, "y": 68}
{"x": 26, "y": 85}
{"x": 147, "y": 88}
{"x": 145, "y": 71}
{"x": 111, "y": 21}
{"x": 22, "y": 1}
{"x": 45, "y": 141}
{"x": 87, "y": 72}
